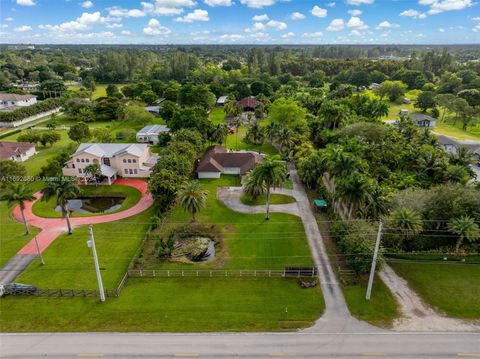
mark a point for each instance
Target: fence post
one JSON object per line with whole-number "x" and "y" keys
{"x": 154, "y": 271}
{"x": 210, "y": 273}
{"x": 168, "y": 273}
{"x": 240, "y": 273}
{"x": 197, "y": 273}
{"x": 182, "y": 273}
{"x": 141, "y": 272}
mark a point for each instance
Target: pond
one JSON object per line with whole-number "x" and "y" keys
{"x": 93, "y": 204}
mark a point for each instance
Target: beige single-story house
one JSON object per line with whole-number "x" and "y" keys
{"x": 115, "y": 159}
{"x": 217, "y": 161}
{"x": 16, "y": 151}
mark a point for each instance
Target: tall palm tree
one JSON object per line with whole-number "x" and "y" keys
{"x": 251, "y": 187}
{"x": 219, "y": 133}
{"x": 192, "y": 197}
{"x": 354, "y": 189}
{"x": 285, "y": 137}
{"x": 16, "y": 194}
{"x": 466, "y": 228}
{"x": 271, "y": 173}
{"x": 271, "y": 131}
{"x": 63, "y": 189}
{"x": 379, "y": 109}
{"x": 407, "y": 222}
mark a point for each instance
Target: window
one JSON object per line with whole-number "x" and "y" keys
{"x": 124, "y": 160}
{"x": 106, "y": 161}
{"x": 126, "y": 171}
{"x": 73, "y": 165}
{"x": 80, "y": 170}
{"x": 129, "y": 160}
{"x": 134, "y": 160}
{"x": 87, "y": 160}
{"x": 135, "y": 171}
{"x": 83, "y": 160}
{"x": 78, "y": 159}
{"x": 130, "y": 171}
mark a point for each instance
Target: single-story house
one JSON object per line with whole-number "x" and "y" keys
{"x": 374, "y": 86}
{"x": 150, "y": 134}
{"x": 16, "y": 151}
{"x": 217, "y": 161}
{"x": 154, "y": 110}
{"x": 12, "y": 101}
{"x": 222, "y": 100}
{"x": 423, "y": 120}
{"x": 115, "y": 159}
{"x": 248, "y": 104}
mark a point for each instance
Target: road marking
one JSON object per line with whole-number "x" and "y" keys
{"x": 374, "y": 354}
{"x": 282, "y": 354}
{"x": 91, "y": 355}
{"x": 187, "y": 355}
{"x": 468, "y": 355}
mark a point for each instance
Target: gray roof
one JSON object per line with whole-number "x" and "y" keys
{"x": 472, "y": 145}
{"x": 112, "y": 149}
{"x": 107, "y": 170}
{"x": 15, "y": 97}
{"x": 155, "y": 109}
{"x": 153, "y": 130}
{"x": 222, "y": 99}
{"x": 422, "y": 116}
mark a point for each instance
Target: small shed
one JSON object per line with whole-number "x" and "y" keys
{"x": 403, "y": 112}
{"x": 222, "y": 100}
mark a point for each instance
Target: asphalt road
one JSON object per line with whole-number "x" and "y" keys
{"x": 251, "y": 345}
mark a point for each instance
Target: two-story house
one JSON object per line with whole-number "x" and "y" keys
{"x": 115, "y": 160}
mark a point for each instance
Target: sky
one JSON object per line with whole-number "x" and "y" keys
{"x": 240, "y": 21}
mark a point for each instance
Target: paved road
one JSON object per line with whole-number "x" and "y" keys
{"x": 254, "y": 345}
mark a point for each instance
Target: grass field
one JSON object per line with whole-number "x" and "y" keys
{"x": 132, "y": 196}
{"x": 265, "y": 148}
{"x": 262, "y": 200}
{"x": 172, "y": 305}
{"x": 217, "y": 116}
{"x": 450, "y": 288}
{"x": 12, "y": 234}
{"x": 100, "y": 90}
{"x": 380, "y": 310}
{"x": 69, "y": 263}
{"x": 250, "y": 242}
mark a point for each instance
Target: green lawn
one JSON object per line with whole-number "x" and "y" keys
{"x": 69, "y": 262}
{"x": 266, "y": 148}
{"x": 380, "y": 310}
{"x": 250, "y": 242}
{"x": 12, "y": 234}
{"x": 100, "y": 90}
{"x": 217, "y": 116}
{"x": 132, "y": 196}
{"x": 450, "y": 288}
{"x": 172, "y": 305}
{"x": 262, "y": 200}
{"x": 449, "y": 129}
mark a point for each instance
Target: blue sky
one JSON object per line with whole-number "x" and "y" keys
{"x": 240, "y": 21}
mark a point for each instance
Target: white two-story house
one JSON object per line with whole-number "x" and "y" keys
{"x": 115, "y": 160}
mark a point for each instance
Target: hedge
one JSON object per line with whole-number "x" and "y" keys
{"x": 24, "y": 112}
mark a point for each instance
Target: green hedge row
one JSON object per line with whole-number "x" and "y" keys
{"x": 24, "y": 112}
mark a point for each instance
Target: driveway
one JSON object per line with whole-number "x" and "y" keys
{"x": 52, "y": 228}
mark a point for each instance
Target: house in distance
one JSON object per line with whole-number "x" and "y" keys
{"x": 151, "y": 133}
{"x": 13, "y": 101}
{"x": 16, "y": 151}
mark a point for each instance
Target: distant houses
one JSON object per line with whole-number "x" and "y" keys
{"x": 115, "y": 159}
{"x": 248, "y": 104}
{"x": 151, "y": 133}
{"x": 13, "y": 101}
{"x": 423, "y": 120}
{"x": 16, "y": 151}
{"x": 217, "y": 161}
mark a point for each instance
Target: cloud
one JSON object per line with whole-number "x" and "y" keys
{"x": 9, "y": 19}
{"x": 356, "y": 23}
{"x": 387, "y": 25}
{"x": 263, "y": 17}
{"x": 166, "y": 7}
{"x": 232, "y": 37}
{"x": 23, "y": 28}
{"x": 119, "y": 12}
{"x": 279, "y": 25}
{"x": 87, "y": 4}
{"x": 360, "y": 2}
{"x": 114, "y": 26}
{"x": 473, "y": 18}
{"x": 336, "y": 25}
{"x": 312, "y": 34}
{"x": 154, "y": 28}
{"x": 318, "y": 11}
{"x": 125, "y": 33}
{"x": 258, "y": 26}
{"x": 330, "y": 4}
{"x": 258, "y": 4}
{"x": 25, "y": 2}
{"x": 438, "y": 6}
{"x": 476, "y": 28}
{"x": 82, "y": 23}
{"x": 413, "y": 13}
{"x": 441, "y": 30}
{"x": 355, "y": 12}
{"x": 195, "y": 15}
{"x": 297, "y": 16}
{"x": 218, "y": 2}
{"x": 288, "y": 35}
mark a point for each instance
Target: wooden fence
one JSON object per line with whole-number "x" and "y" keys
{"x": 229, "y": 273}
{"x": 40, "y": 292}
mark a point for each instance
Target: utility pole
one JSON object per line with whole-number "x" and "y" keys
{"x": 374, "y": 262}
{"x": 91, "y": 244}
{"x": 38, "y": 251}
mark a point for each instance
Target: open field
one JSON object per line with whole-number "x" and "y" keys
{"x": 131, "y": 194}
{"x": 266, "y": 148}
{"x": 173, "y": 305}
{"x": 450, "y": 288}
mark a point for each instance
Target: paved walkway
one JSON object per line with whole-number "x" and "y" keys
{"x": 52, "y": 228}
{"x": 337, "y": 317}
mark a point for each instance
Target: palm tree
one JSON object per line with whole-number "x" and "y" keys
{"x": 18, "y": 193}
{"x": 354, "y": 190}
{"x": 406, "y": 221}
{"x": 379, "y": 109}
{"x": 251, "y": 188}
{"x": 255, "y": 134}
{"x": 271, "y": 131}
{"x": 285, "y": 135}
{"x": 93, "y": 170}
{"x": 192, "y": 197}
{"x": 466, "y": 228}
{"x": 271, "y": 173}
{"x": 232, "y": 109}
{"x": 463, "y": 157}
{"x": 63, "y": 189}
{"x": 219, "y": 133}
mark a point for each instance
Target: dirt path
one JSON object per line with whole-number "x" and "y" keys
{"x": 416, "y": 315}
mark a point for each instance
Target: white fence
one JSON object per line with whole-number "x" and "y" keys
{"x": 28, "y": 119}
